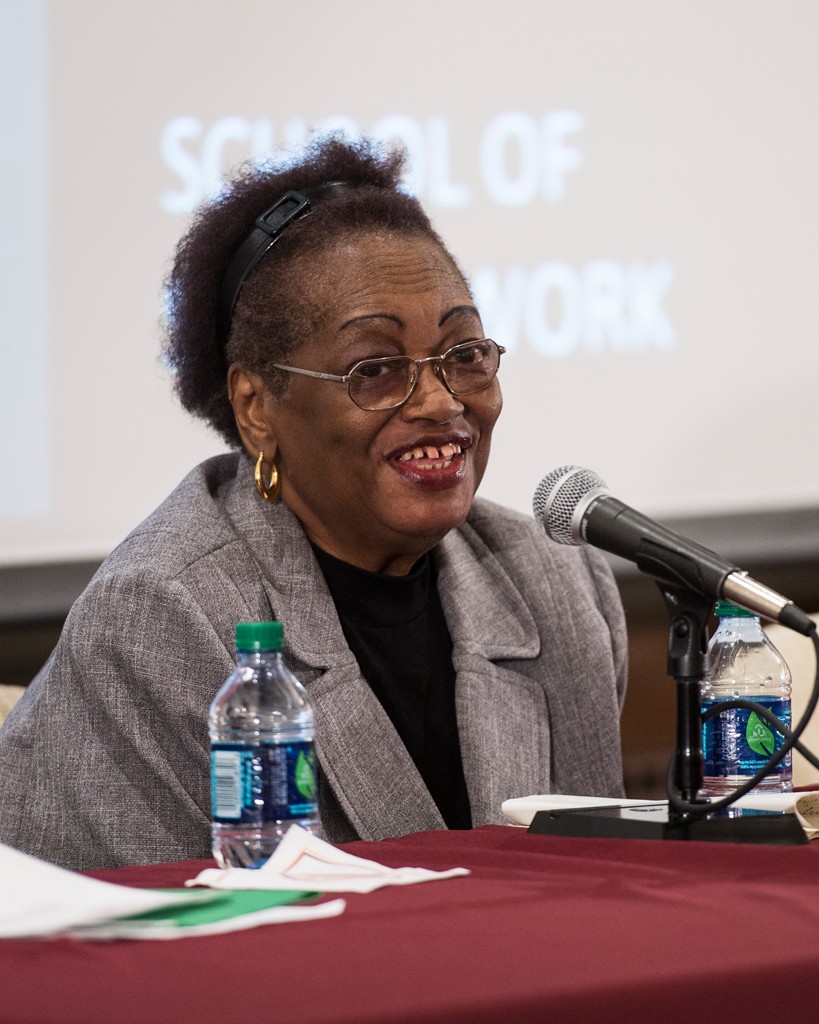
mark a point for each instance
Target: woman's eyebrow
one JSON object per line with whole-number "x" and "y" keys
{"x": 459, "y": 310}
{"x": 373, "y": 316}
{"x": 464, "y": 310}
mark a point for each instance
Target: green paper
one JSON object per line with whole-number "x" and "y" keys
{"x": 222, "y": 905}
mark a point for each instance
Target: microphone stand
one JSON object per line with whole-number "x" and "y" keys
{"x": 687, "y": 664}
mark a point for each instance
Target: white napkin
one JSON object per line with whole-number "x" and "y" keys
{"x": 303, "y": 861}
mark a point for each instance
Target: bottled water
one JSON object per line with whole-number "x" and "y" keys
{"x": 738, "y": 742}
{"x": 263, "y": 761}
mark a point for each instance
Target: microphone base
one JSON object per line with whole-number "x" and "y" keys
{"x": 770, "y": 828}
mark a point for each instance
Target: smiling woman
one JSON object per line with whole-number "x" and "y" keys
{"x": 454, "y": 655}
{"x": 397, "y": 297}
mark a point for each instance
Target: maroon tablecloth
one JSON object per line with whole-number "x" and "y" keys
{"x": 544, "y": 929}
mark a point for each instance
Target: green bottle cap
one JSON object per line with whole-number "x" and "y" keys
{"x": 729, "y": 610}
{"x": 259, "y": 636}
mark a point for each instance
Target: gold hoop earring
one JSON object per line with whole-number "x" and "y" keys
{"x": 270, "y": 492}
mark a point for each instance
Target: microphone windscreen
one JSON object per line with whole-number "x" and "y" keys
{"x": 558, "y": 495}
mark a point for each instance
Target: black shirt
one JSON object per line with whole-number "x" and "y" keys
{"x": 396, "y": 629}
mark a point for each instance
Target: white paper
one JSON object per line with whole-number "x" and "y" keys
{"x": 303, "y": 861}
{"x": 289, "y": 914}
{"x": 522, "y": 809}
{"x": 37, "y": 898}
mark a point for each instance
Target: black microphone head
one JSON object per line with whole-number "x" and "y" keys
{"x": 557, "y": 496}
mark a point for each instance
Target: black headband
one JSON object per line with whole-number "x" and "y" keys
{"x": 266, "y": 231}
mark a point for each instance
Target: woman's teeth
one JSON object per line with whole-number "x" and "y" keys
{"x": 438, "y": 458}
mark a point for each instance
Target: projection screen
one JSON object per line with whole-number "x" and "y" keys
{"x": 631, "y": 188}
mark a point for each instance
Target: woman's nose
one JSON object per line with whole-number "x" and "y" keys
{"x": 430, "y": 398}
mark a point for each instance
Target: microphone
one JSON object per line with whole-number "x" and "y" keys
{"x": 576, "y": 507}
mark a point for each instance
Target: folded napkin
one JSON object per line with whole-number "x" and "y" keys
{"x": 303, "y": 861}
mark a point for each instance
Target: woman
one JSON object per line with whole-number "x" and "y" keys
{"x": 455, "y": 657}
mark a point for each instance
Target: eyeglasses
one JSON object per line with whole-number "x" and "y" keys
{"x": 379, "y": 384}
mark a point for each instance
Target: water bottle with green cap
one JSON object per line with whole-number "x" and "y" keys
{"x": 738, "y": 742}
{"x": 263, "y": 761}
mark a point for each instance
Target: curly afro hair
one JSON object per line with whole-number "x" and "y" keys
{"x": 278, "y": 305}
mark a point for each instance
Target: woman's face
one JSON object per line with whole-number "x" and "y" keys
{"x": 346, "y": 472}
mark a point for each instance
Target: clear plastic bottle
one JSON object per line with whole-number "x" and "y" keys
{"x": 738, "y": 742}
{"x": 263, "y": 761}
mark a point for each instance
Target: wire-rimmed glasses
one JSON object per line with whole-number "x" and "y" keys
{"x": 387, "y": 382}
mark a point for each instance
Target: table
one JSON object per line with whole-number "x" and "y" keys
{"x": 545, "y": 928}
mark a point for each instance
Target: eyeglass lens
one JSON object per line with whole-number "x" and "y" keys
{"x": 384, "y": 383}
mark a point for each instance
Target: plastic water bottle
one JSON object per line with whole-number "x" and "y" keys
{"x": 263, "y": 761}
{"x": 738, "y": 742}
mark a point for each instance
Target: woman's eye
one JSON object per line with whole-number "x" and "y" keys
{"x": 468, "y": 354}
{"x": 378, "y": 369}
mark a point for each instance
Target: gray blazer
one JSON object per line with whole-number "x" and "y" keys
{"x": 104, "y": 761}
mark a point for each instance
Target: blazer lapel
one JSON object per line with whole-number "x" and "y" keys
{"x": 502, "y": 713}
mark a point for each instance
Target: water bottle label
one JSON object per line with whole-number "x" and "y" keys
{"x": 740, "y": 742}
{"x": 266, "y": 782}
